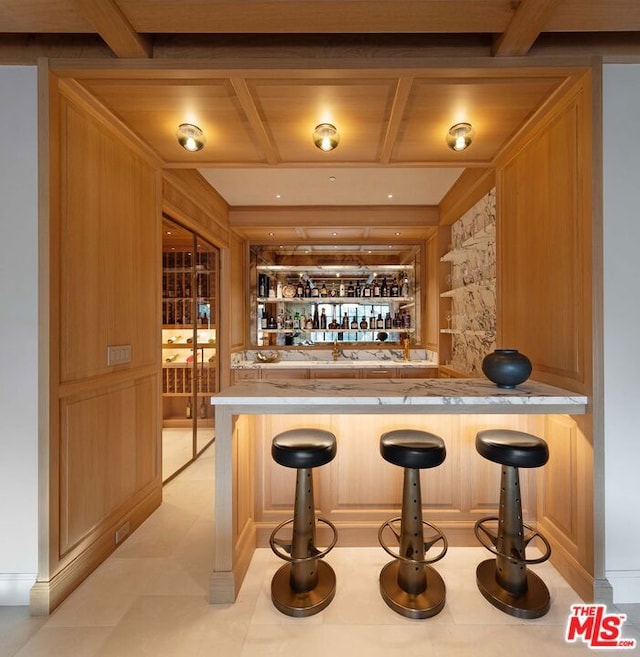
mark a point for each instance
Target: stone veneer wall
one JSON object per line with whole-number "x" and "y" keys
{"x": 472, "y": 284}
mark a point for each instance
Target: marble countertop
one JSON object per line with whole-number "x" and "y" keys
{"x": 399, "y": 395}
{"x": 341, "y": 363}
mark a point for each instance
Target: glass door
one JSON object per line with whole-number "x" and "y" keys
{"x": 206, "y": 376}
{"x": 189, "y": 350}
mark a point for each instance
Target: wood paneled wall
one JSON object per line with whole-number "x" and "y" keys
{"x": 103, "y": 470}
{"x": 544, "y": 243}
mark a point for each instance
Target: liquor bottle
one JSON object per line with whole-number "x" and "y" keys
{"x": 333, "y": 292}
{"x": 387, "y": 321}
{"x": 203, "y": 409}
{"x": 342, "y": 290}
{"x": 384, "y": 290}
{"x": 380, "y": 321}
{"x": 300, "y": 289}
{"x": 376, "y": 288}
{"x": 395, "y": 289}
{"x": 323, "y": 320}
{"x": 366, "y": 292}
{"x": 405, "y": 287}
{"x": 189, "y": 409}
{"x": 354, "y": 323}
{"x": 309, "y": 323}
{"x": 358, "y": 290}
{"x": 307, "y": 289}
{"x": 316, "y": 319}
{"x": 345, "y": 321}
{"x": 372, "y": 321}
{"x": 350, "y": 290}
{"x": 262, "y": 288}
{"x": 296, "y": 321}
{"x": 279, "y": 290}
{"x": 264, "y": 320}
{"x": 363, "y": 323}
{"x": 397, "y": 322}
{"x": 171, "y": 359}
{"x": 315, "y": 292}
{"x": 323, "y": 290}
{"x": 174, "y": 338}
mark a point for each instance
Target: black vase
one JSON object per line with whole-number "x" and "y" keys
{"x": 506, "y": 367}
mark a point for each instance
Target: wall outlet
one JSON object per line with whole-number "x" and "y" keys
{"x": 118, "y": 354}
{"x": 122, "y": 533}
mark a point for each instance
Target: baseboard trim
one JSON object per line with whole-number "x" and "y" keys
{"x": 625, "y": 586}
{"x": 46, "y": 595}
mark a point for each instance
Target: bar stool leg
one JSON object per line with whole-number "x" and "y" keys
{"x": 414, "y": 590}
{"x": 303, "y": 588}
{"x": 304, "y": 576}
{"x": 507, "y": 583}
{"x": 411, "y": 577}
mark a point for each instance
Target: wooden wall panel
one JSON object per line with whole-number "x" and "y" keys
{"x": 105, "y": 455}
{"x": 544, "y": 247}
{"x": 238, "y": 292}
{"x": 104, "y": 289}
{"x": 108, "y": 241}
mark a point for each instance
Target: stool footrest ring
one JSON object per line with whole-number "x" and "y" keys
{"x": 488, "y": 539}
{"x": 428, "y": 544}
{"x": 279, "y": 548}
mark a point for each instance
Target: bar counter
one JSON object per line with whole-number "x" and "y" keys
{"x": 235, "y": 536}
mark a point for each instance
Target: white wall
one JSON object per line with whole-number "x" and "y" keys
{"x": 18, "y": 333}
{"x": 622, "y": 329}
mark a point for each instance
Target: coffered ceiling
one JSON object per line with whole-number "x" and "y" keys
{"x": 258, "y": 75}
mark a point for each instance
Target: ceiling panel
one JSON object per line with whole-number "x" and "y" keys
{"x": 358, "y": 108}
{"x": 495, "y": 108}
{"x": 153, "y": 109}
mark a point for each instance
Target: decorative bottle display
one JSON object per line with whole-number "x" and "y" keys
{"x": 306, "y": 305}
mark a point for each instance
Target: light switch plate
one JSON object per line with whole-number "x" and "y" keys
{"x": 118, "y": 354}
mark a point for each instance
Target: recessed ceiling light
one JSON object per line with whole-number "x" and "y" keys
{"x": 277, "y": 195}
{"x": 335, "y": 234}
{"x": 168, "y": 232}
{"x": 389, "y": 195}
{"x": 398, "y": 233}
{"x": 332, "y": 178}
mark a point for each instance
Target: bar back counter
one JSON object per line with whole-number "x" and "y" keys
{"x": 358, "y": 490}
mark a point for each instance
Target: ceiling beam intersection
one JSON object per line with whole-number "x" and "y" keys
{"x": 114, "y": 28}
{"x": 525, "y": 27}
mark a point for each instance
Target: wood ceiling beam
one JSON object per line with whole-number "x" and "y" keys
{"x": 403, "y": 89}
{"x": 253, "y": 116}
{"x": 114, "y": 28}
{"x": 526, "y": 25}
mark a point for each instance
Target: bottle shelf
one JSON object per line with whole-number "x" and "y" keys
{"x": 483, "y": 235}
{"x": 373, "y": 301}
{"x": 339, "y": 330}
{"x": 465, "y": 332}
{"x": 470, "y": 287}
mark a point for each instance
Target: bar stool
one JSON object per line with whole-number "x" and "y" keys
{"x": 304, "y": 585}
{"x": 408, "y": 584}
{"x": 505, "y": 581}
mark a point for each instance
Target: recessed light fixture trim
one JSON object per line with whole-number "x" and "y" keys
{"x": 460, "y": 136}
{"x": 326, "y": 137}
{"x": 190, "y": 137}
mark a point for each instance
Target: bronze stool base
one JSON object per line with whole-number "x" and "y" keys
{"x": 533, "y": 603}
{"x": 412, "y": 605}
{"x": 300, "y": 605}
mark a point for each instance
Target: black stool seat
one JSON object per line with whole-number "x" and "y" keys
{"x": 411, "y": 448}
{"x": 303, "y": 448}
{"x": 514, "y": 448}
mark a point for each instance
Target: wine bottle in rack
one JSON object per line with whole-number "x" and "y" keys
{"x": 189, "y": 409}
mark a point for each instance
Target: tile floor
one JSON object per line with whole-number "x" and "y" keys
{"x": 149, "y": 599}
